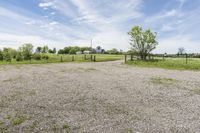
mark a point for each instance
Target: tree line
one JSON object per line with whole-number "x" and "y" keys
{"x": 75, "y": 49}
{"x": 27, "y": 52}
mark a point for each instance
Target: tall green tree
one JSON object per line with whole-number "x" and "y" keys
{"x": 26, "y": 51}
{"x": 113, "y": 51}
{"x": 38, "y": 50}
{"x": 12, "y": 52}
{"x": 54, "y": 50}
{"x": 181, "y": 51}
{"x": 6, "y": 54}
{"x": 143, "y": 42}
{"x": 45, "y": 49}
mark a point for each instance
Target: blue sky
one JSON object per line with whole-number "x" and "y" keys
{"x": 61, "y": 23}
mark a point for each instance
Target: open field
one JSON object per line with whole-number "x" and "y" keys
{"x": 101, "y": 97}
{"x": 54, "y": 58}
{"x": 169, "y": 63}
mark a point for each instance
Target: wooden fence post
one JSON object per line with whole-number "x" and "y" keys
{"x": 163, "y": 57}
{"x": 131, "y": 57}
{"x": 61, "y": 59}
{"x": 125, "y": 57}
{"x": 85, "y": 57}
{"x": 94, "y": 58}
{"x": 186, "y": 56}
{"x": 91, "y": 57}
{"x": 73, "y": 58}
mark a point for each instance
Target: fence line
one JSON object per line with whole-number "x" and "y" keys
{"x": 163, "y": 56}
{"x": 61, "y": 58}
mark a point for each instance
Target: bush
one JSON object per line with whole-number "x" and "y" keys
{"x": 37, "y": 56}
{"x": 7, "y": 55}
{"x": 18, "y": 57}
{"x": 46, "y": 57}
{"x": 26, "y": 51}
{"x": 1, "y": 55}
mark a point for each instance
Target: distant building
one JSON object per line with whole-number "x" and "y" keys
{"x": 99, "y": 50}
{"x": 79, "y": 52}
{"x": 86, "y": 52}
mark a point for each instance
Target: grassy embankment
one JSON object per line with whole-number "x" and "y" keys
{"x": 169, "y": 63}
{"x": 54, "y": 58}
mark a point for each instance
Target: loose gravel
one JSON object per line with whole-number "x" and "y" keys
{"x": 103, "y": 97}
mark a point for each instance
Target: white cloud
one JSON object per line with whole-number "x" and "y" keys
{"x": 52, "y": 13}
{"x": 167, "y": 28}
{"x": 171, "y": 44}
{"x": 78, "y": 21}
{"x": 163, "y": 15}
{"x": 53, "y": 23}
{"x": 47, "y": 4}
{"x": 171, "y": 13}
{"x": 182, "y": 2}
{"x": 12, "y": 40}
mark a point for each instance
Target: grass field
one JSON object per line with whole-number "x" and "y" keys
{"x": 169, "y": 63}
{"x": 54, "y": 58}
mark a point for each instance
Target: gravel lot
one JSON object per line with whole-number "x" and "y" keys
{"x": 104, "y": 97}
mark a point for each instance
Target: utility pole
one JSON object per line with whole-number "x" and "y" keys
{"x": 91, "y": 44}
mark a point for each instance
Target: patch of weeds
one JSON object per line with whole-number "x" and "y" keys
{"x": 113, "y": 109}
{"x": 13, "y": 79}
{"x": 8, "y": 80}
{"x": 1, "y": 123}
{"x": 63, "y": 71}
{"x": 3, "y": 129}
{"x": 32, "y": 93}
{"x": 5, "y": 100}
{"x": 8, "y": 117}
{"x": 18, "y": 66}
{"x": 67, "y": 128}
{"x": 55, "y": 127}
{"x": 90, "y": 69}
{"x": 163, "y": 81}
{"x": 34, "y": 125}
{"x": 128, "y": 131}
{"x": 196, "y": 91}
{"x": 18, "y": 120}
{"x": 94, "y": 100}
{"x": 86, "y": 69}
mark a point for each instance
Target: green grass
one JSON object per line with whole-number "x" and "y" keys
{"x": 54, "y": 58}
{"x": 108, "y": 57}
{"x": 18, "y": 120}
{"x": 163, "y": 81}
{"x": 169, "y": 63}
{"x": 1, "y": 123}
{"x": 196, "y": 91}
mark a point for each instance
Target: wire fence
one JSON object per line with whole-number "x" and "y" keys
{"x": 185, "y": 58}
{"x": 53, "y": 59}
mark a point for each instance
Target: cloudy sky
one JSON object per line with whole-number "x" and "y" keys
{"x": 61, "y": 23}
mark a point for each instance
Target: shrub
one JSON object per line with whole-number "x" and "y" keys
{"x": 1, "y": 55}
{"x": 26, "y": 51}
{"x": 46, "y": 57}
{"x": 37, "y": 56}
{"x": 7, "y": 55}
{"x": 18, "y": 57}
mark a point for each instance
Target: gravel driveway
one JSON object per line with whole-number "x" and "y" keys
{"x": 104, "y": 97}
